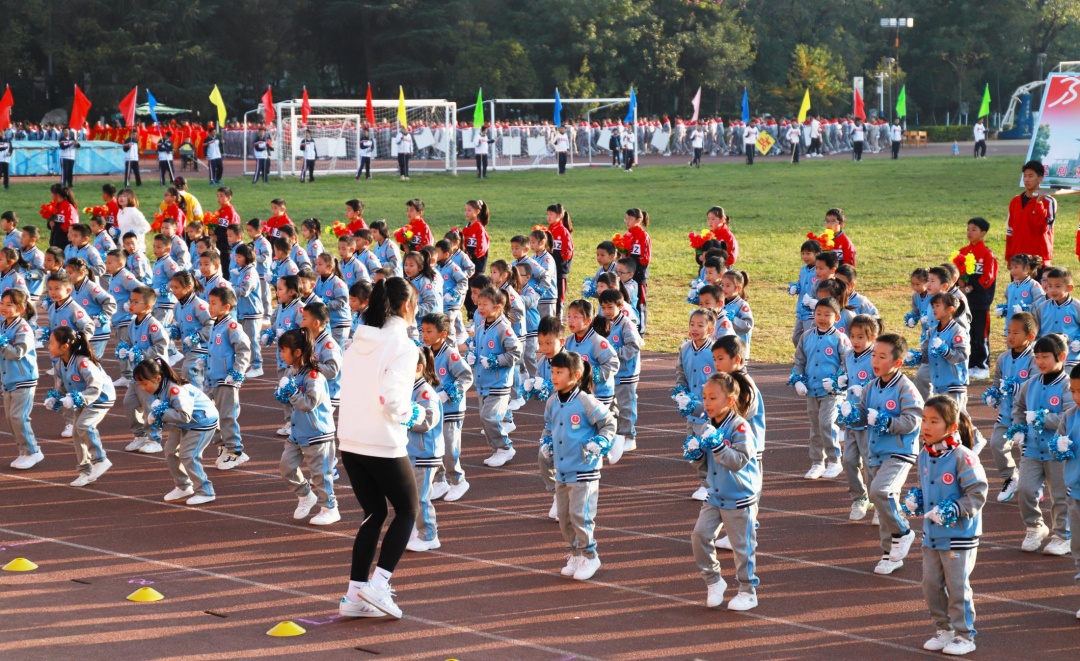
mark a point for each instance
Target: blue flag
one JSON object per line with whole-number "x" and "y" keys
{"x": 745, "y": 107}
{"x": 558, "y": 109}
{"x": 633, "y": 107}
{"x": 152, "y": 103}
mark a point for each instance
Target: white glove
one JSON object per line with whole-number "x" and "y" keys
{"x": 682, "y": 400}
{"x": 1017, "y": 309}
{"x": 448, "y": 297}
{"x": 808, "y": 300}
{"x": 692, "y": 444}
{"x": 38, "y": 333}
{"x": 936, "y": 342}
{"x": 50, "y": 402}
{"x": 1000, "y": 312}
{"x": 1018, "y": 438}
{"x": 934, "y": 515}
{"x": 1030, "y": 416}
{"x": 845, "y": 408}
{"x": 827, "y": 383}
{"x": 592, "y": 447}
{"x": 839, "y": 435}
{"x": 471, "y": 359}
{"x": 280, "y": 332}
{"x": 67, "y": 402}
{"x": 924, "y": 320}
{"x": 856, "y": 390}
{"x": 443, "y": 397}
{"x": 528, "y": 384}
{"x": 1074, "y": 346}
{"x": 793, "y": 290}
{"x": 284, "y": 381}
{"x": 229, "y": 380}
{"x": 1063, "y": 443}
{"x": 841, "y": 381}
{"x": 800, "y": 388}
{"x": 911, "y": 503}
{"x": 124, "y": 354}
{"x": 871, "y": 416}
{"x": 127, "y": 306}
{"x": 910, "y": 323}
{"x": 186, "y": 342}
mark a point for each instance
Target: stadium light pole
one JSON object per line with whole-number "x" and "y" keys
{"x": 896, "y": 24}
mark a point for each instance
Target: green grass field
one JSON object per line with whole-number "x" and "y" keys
{"x": 901, "y": 214}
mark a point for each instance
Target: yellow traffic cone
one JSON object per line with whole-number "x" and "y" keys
{"x": 20, "y": 564}
{"x": 286, "y": 628}
{"x": 145, "y": 594}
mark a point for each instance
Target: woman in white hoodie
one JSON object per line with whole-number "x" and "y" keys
{"x": 377, "y": 376}
{"x": 129, "y": 218}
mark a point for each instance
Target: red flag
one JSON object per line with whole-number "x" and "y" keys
{"x": 79, "y": 109}
{"x": 860, "y": 111}
{"x": 305, "y": 107}
{"x": 5, "y": 109}
{"x": 127, "y": 107}
{"x": 268, "y": 106}
{"x": 369, "y": 114}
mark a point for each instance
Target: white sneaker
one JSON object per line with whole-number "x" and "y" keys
{"x": 500, "y": 457}
{"x": 348, "y": 608}
{"x": 877, "y": 519}
{"x": 51, "y": 371}
{"x": 516, "y": 404}
{"x": 616, "y": 451}
{"x": 816, "y": 471}
{"x": 200, "y": 499}
{"x": 81, "y": 481}
{"x": 901, "y": 545}
{"x": 439, "y": 490}
{"x": 325, "y": 517}
{"x": 629, "y": 445}
{"x": 150, "y": 447}
{"x": 886, "y": 566}
{"x": 743, "y": 601}
{"x": 456, "y": 491}
{"x": 939, "y": 641}
{"x": 859, "y": 508}
{"x": 228, "y": 460}
{"x": 1008, "y": 490}
{"x": 572, "y": 564}
{"x": 254, "y": 373}
{"x": 959, "y": 646}
{"x": 68, "y": 432}
{"x": 715, "y": 596}
{"x": 1034, "y": 538}
{"x": 418, "y": 545}
{"x": 508, "y": 428}
{"x": 979, "y": 374}
{"x": 122, "y": 382}
{"x": 553, "y": 513}
{"x": 174, "y": 358}
{"x": 724, "y": 543}
{"x": 98, "y": 469}
{"x": 304, "y": 505}
{"x": 25, "y": 461}
{"x": 381, "y": 598}
{"x": 178, "y": 494}
{"x": 833, "y": 470}
{"x": 136, "y": 443}
{"x": 1058, "y": 546}
{"x": 587, "y": 568}
{"x": 701, "y": 494}
{"x": 285, "y": 429}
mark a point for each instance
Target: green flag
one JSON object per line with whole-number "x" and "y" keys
{"x": 901, "y": 103}
{"x": 984, "y": 109}
{"x": 478, "y": 112}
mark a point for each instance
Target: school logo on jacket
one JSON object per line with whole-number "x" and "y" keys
{"x": 1055, "y": 400}
{"x": 454, "y": 357}
{"x": 707, "y": 369}
{"x": 948, "y": 478}
{"x": 575, "y": 419}
{"x": 314, "y": 374}
{"x": 603, "y": 344}
{"x": 1023, "y": 374}
{"x": 958, "y": 339}
{"x": 75, "y": 377}
{"x": 79, "y": 314}
{"x": 425, "y": 395}
{"x": 1067, "y": 319}
{"x": 491, "y": 344}
{"x": 189, "y": 317}
{"x": 509, "y": 333}
{"x": 86, "y": 301}
{"x": 891, "y": 405}
{"x": 175, "y": 390}
{"x": 83, "y": 364}
{"x": 232, "y": 325}
{"x": 442, "y": 371}
{"x": 862, "y": 374}
{"x": 153, "y": 329}
{"x": 614, "y": 338}
{"x": 1023, "y": 294}
{"x": 828, "y": 351}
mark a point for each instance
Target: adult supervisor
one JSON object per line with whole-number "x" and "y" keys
{"x": 378, "y": 373}
{"x": 1030, "y": 229}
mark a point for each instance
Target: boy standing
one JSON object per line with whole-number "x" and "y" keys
{"x": 979, "y": 289}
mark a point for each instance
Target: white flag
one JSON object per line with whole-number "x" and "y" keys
{"x": 697, "y": 105}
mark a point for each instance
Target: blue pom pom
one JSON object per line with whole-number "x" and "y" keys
{"x": 237, "y": 377}
{"x": 950, "y": 512}
{"x": 122, "y": 346}
{"x": 4, "y": 341}
{"x": 911, "y": 319}
{"x": 267, "y": 336}
{"x": 597, "y": 376}
{"x": 915, "y": 493}
{"x": 543, "y": 391}
{"x": 46, "y": 333}
{"x": 604, "y": 445}
{"x": 164, "y": 291}
{"x": 797, "y": 378}
{"x": 1011, "y": 385}
{"x": 158, "y": 411}
{"x": 940, "y": 350}
{"x": 547, "y": 447}
{"x": 881, "y": 426}
{"x": 283, "y": 393}
{"x": 273, "y": 280}
{"x": 694, "y": 297}
{"x": 1002, "y": 309}
{"x": 453, "y": 392}
{"x": 993, "y": 397}
{"x": 417, "y": 413}
{"x": 193, "y": 341}
{"x": 56, "y": 396}
{"x": 912, "y": 358}
{"x": 101, "y": 319}
{"x": 691, "y": 406}
{"x": 1068, "y": 454}
{"x": 588, "y": 288}
{"x": 418, "y": 343}
{"x": 77, "y": 400}
{"x": 679, "y": 389}
{"x": 1040, "y": 420}
{"x": 174, "y": 332}
{"x": 692, "y": 450}
{"x": 1014, "y": 430}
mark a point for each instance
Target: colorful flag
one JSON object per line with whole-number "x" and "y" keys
{"x": 860, "y": 109}
{"x": 804, "y": 107}
{"x": 79, "y": 109}
{"x": 696, "y": 102}
{"x": 558, "y": 108}
{"x": 5, "y": 109}
{"x": 984, "y": 109}
{"x": 127, "y": 107}
{"x": 268, "y": 106}
{"x": 305, "y": 107}
{"x": 369, "y": 112}
{"x": 901, "y": 103}
{"x": 764, "y": 143}
{"x": 402, "y": 115}
{"x": 631, "y": 112}
{"x": 478, "y": 112}
{"x": 219, "y": 103}
{"x": 152, "y": 104}
{"x": 745, "y": 107}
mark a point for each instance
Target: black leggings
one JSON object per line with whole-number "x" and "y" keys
{"x": 376, "y": 480}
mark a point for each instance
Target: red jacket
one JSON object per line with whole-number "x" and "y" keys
{"x": 69, "y": 215}
{"x": 114, "y": 211}
{"x": 724, "y": 234}
{"x": 275, "y": 222}
{"x": 1030, "y": 229}
{"x": 356, "y": 225}
{"x": 422, "y": 234}
{"x": 562, "y": 247}
{"x": 844, "y": 249}
{"x": 476, "y": 239}
{"x": 227, "y": 215}
{"x": 640, "y": 245}
{"x": 986, "y": 265}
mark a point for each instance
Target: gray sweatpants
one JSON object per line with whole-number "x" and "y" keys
{"x": 856, "y": 457}
{"x": 253, "y": 327}
{"x": 626, "y": 400}
{"x": 451, "y": 470}
{"x": 547, "y": 471}
{"x": 264, "y": 294}
{"x": 961, "y": 399}
{"x": 546, "y": 308}
{"x": 458, "y": 334}
{"x": 576, "y": 503}
{"x": 193, "y": 368}
{"x": 183, "y": 454}
{"x": 320, "y": 465}
{"x": 87, "y": 439}
{"x": 946, "y": 585}
{"x": 1074, "y": 522}
{"x": 287, "y": 406}
{"x": 741, "y": 530}
{"x": 801, "y": 326}
{"x": 18, "y": 405}
{"x": 426, "y": 527}
{"x": 227, "y": 401}
{"x": 136, "y": 407}
{"x": 1003, "y": 449}
{"x": 887, "y": 481}
{"x": 1033, "y": 473}
{"x": 922, "y": 381}
{"x": 527, "y": 366}
{"x": 823, "y": 442}
{"x": 68, "y": 414}
{"x": 493, "y": 409}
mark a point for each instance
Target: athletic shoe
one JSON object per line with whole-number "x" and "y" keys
{"x": 253, "y": 373}
{"x": 553, "y": 513}
{"x": 572, "y": 564}
{"x": 1034, "y": 538}
{"x": 285, "y": 429}
{"x": 715, "y": 596}
{"x": 418, "y": 545}
{"x": 1008, "y": 490}
{"x": 25, "y": 461}
{"x": 816, "y": 471}
{"x": 304, "y": 505}
{"x": 901, "y": 545}
{"x": 150, "y": 447}
{"x": 325, "y": 517}
{"x": 616, "y": 451}
{"x": 136, "y": 443}
{"x": 456, "y": 491}
{"x": 98, "y": 469}
{"x": 174, "y": 358}
{"x": 178, "y": 494}
{"x": 230, "y": 460}
{"x": 51, "y": 371}
{"x": 877, "y": 519}
{"x": 723, "y": 543}
{"x": 701, "y": 494}
{"x": 122, "y": 382}
{"x": 68, "y": 432}
{"x": 886, "y": 566}
{"x": 587, "y": 568}
{"x": 517, "y": 403}
{"x": 1058, "y": 546}
{"x": 508, "y": 427}
{"x": 81, "y": 481}
{"x": 439, "y": 489}
{"x": 348, "y": 608}
{"x": 381, "y": 598}
{"x": 859, "y": 508}
{"x": 629, "y": 445}
{"x": 199, "y": 499}
{"x": 500, "y": 457}
{"x": 959, "y": 646}
{"x": 833, "y": 470}
{"x": 743, "y": 601}
{"x": 939, "y": 641}
{"x": 980, "y": 373}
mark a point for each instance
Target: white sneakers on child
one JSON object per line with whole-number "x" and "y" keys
{"x": 572, "y": 564}
{"x": 901, "y": 545}
{"x": 701, "y": 494}
{"x": 886, "y": 566}
{"x": 508, "y": 427}
{"x": 553, "y": 513}
{"x": 516, "y": 403}
{"x": 304, "y": 505}
{"x": 98, "y": 469}
{"x": 228, "y": 461}
{"x": 418, "y": 545}
{"x": 859, "y": 509}
{"x": 1034, "y": 538}
{"x": 380, "y": 598}
{"x": 978, "y": 373}
{"x": 285, "y": 429}
{"x": 629, "y": 445}
{"x": 325, "y": 517}
{"x": 69, "y": 431}
{"x": 22, "y": 462}
{"x": 82, "y": 480}
{"x": 178, "y": 494}
{"x": 348, "y": 608}
{"x": 150, "y": 447}
{"x": 254, "y": 373}
{"x": 201, "y": 499}
{"x": 136, "y": 443}
{"x": 500, "y": 457}
{"x": 1058, "y": 546}
{"x": 715, "y": 595}
{"x": 939, "y": 641}
{"x": 439, "y": 490}
{"x": 1008, "y": 490}
{"x": 816, "y": 471}
{"x": 877, "y": 519}
{"x": 122, "y": 382}
{"x": 587, "y": 568}
{"x": 456, "y": 491}
{"x": 616, "y": 451}
{"x": 833, "y": 470}
{"x": 959, "y": 646}
{"x": 743, "y": 601}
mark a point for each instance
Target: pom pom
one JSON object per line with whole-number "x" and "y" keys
{"x": 797, "y": 378}
{"x": 164, "y": 291}
{"x": 692, "y": 449}
{"x": 453, "y": 392}
{"x": 1002, "y": 309}
{"x": 52, "y": 400}
{"x": 4, "y": 341}
{"x": 286, "y": 390}
{"x": 793, "y": 289}
{"x": 911, "y": 320}
{"x": 694, "y": 297}
{"x": 542, "y": 389}
{"x": 597, "y": 375}
{"x": 847, "y": 414}
{"x": 912, "y": 504}
{"x": 489, "y": 362}
{"x": 1063, "y": 448}
{"x": 679, "y": 389}
{"x": 1040, "y": 417}
{"x": 547, "y": 448}
{"x": 992, "y": 397}
{"x": 267, "y": 336}
{"x": 597, "y": 447}
{"x": 1010, "y": 386}
{"x": 193, "y": 341}
{"x": 77, "y": 400}
{"x": 881, "y": 425}
{"x": 948, "y": 512}
{"x": 174, "y": 332}
{"x": 688, "y": 404}
{"x": 236, "y": 376}
{"x": 43, "y": 334}
{"x": 939, "y": 348}
{"x": 1015, "y": 430}
{"x": 588, "y": 288}
{"x": 157, "y": 410}
{"x": 101, "y": 319}
{"x": 414, "y": 417}
{"x": 912, "y": 358}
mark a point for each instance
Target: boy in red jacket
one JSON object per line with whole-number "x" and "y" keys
{"x": 1030, "y": 229}
{"x": 978, "y": 285}
{"x": 844, "y": 249}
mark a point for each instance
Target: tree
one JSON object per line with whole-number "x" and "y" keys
{"x": 819, "y": 70}
{"x": 1042, "y": 143}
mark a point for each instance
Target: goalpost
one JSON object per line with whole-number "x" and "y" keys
{"x": 337, "y": 126}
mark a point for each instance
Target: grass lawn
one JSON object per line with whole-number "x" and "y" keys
{"x": 901, "y": 214}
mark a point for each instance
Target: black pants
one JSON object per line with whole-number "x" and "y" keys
{"x": 481, "y": 165}
{"x": 562, "y": 162}
{"x": 165, "y": 169}
{"x": 795, "y": 148}
{"x": 562, "y": 270}
{"x": 750, "y": 149}
{"x": 697, "y": 157}
{"x": 980, "y": 148}
{"x": 262, "y": 169}
{"x": 614, "y": 157}
{"x": 628, "y": 159}
{"x": 67, "y": 172}
{"x": 4, "y": 172}
{"x": 403, "y": 164}
{"x": 641, "y": 277}
{"x": 131, "y": 169}
{"x": 309, "y": 171}
{"x": 221, "y": 239}
{"x": 980, "y": 340}
{"x": 895, "y": 149}
{"x": 857, "y": 147}
{"x": 216, "y": 167}
{"x": 815, "y": 146}
{"x": 376, "y": 480}
{"x": 365, "y": 166}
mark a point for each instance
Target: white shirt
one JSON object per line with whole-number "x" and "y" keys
{"x": 750, "y": 134}
{"x": 858, "y": 133}
{"x": 815, "y": 128}
{"x": 629, "y": 140}
{"x": 482, "y": 145}
{"x": 562, "y": 143}
{"x": 308, "y": 148}
{"x": 404, "y": 144}
{"x": 896, "y": 133}
{"x": 980, "y": 132}
{"x": 131, "y": 151}
{"x": 213, "y": 149}
{"x": 698, "y": 139}
{"x": 793, "y": 134}
{"x": 367, "y": 147}
{"x": 130, "y": 219}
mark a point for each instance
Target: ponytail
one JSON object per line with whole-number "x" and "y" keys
{"x": 483, "y": 214}
{"x": 154, "y": 368}
{"x": 387, "y": 297}
{"x": 643, "y": 216}
{"x": 572, "y": 361}
{"x": 745, "y": 400}
{"x": 426, "y": 361}
{"x": 563, "y": 214}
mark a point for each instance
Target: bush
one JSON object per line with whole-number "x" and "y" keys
{"x": 947, "y": 133}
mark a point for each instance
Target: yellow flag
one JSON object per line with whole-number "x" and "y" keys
{"x": 805, "y": 107}
{"x": 402, "y": 117}
{"x": 764, "y": 143}
{"x": 215, "y": 98}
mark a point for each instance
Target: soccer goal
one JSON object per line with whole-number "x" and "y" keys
{"x": 337, "y": 125}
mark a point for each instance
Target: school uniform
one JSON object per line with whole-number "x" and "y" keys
{"x": 228, "y": 354}
{"x": 101, "y": 307}
{"x": 301, "y": 257}
{"x": 641, "y": 250}
{"x": 545, "y": 273}
{"x": 947, "y": 349}
{"x": 264, "y": 258}
{"x": 309, "y": 152}
{"x": 67, "y": 161}
{"x": 455, "y": 286}
{"x": 1011, "y": 371}
{"x": 165, "y": 160}
{"x": 804, "y": 314}
{"x": 626, "y": 342}
{"x": 193, "y": 323}
{"x": 1064, "y": 318}
{"x": 79, "y": 374}
{"x": 34, "y": 272}
{"x": 599, "y": 356}
{"x": 430, "y": 297}
{"x": 88, "y": 254}
{"x": 283, "y": 268}
{"x": 426, "y": 449}
{"x": 334, "y": 292}
{"x": 19, "y": 378}
{"x": 1049, "y": 394}
{"x": 742, "y": 319}
{"x": 820, "y": 356}
{"x": 144, "y": 340}
{"x": 530, "y": 299}
{"x": 261, "y": 149}
{"x": 192, "y": 420}
{"x": 750, "y": 136}
{"x": 477, "y": 243}
{"x": 353, "y": 271}
{"x": 858, "y": 137}
{"x": 140, "y": 267}
{"x": 373, "y": 262}
{"x": 855, "y": 451}
{"x": 216, "y": 167}
{"x": 311, "y": 440}
{"x": 693, "y": 368}
{"x": 1020, "y": 296}
{"x": 455, "y": 377}
{"x": 1070, "y": 429}
{"x": 131, "y": 162}
{"x": 13, "y": 279}
{"x": 13, "y": 239}
{"x": 496, "y": 344}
